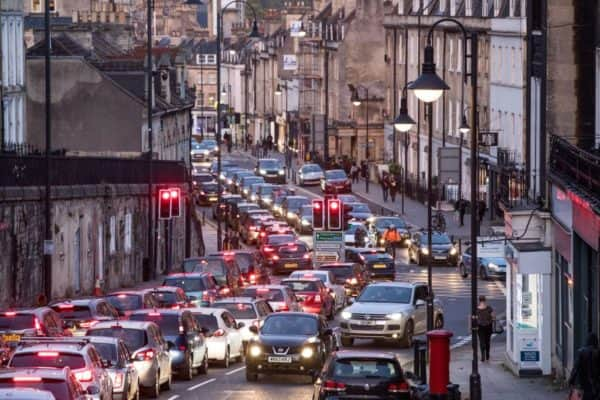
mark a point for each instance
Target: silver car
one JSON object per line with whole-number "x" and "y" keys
{"x": 149, "y": 351}
{"x": 310, "y": 174}
{"x": 117, "y": 362}
{"x": 394, "y": 311}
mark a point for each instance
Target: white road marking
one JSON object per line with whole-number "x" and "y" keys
{"x": 501, "y": 287}
{"x": 235, "y": 370}
{"x": 173, "y": 397}
{"x": 201, "y": 384}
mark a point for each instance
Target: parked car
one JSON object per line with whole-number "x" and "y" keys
{"x": 312, "y": 295}
{"x": 336, "y": 181}
{"x": 201, "y": 288}
{"x": 491, "y": 260}
{"x": 223, "y": 334}
{"x": 79, "y": 314}
{"x": 364, "y": 374}
{"x": 251, "y": 312}
{"x": 337, "y": 291}
{"x": 393, "y": 311}
{"x": 127, "y": 301}
{"x": 148, "y": 349}
{"x": 185, "y": 339}
{"x": 443, "y": 250}
{"x": 310, "y": 174}
{"x": 271, "y": 169}
{"x": 60, "y": 382}
{"x": 279, "y": 297}
{"x": 351, "y": 275}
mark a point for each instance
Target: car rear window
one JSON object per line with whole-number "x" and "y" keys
{"x": 264, "y": 294}
{"x": 168, "y": 323}
{"x": 302, "y": 286}
{"x": 338, "y": 272}
{"x": 16, "y": 322}
{"x": 165, "y": 298}
{"x": 292, "y": 251}
{"x": 48, "y": 359}
{"x": 187, "y": 284}
{"x": 207, "y": 321}
{"x": 280, "y": 239}
{"x": 214, "y": 266}
{"x": 133, "y": 338}
{"x": 239, "y": 310}
{"x": 108, "y": 351}
{"x": 69, "y": 311}
{"x": 270, "y": 164}
{"x": 59, "y": 388}
{"x": 349, "y": 368}
{"x": 125, "y": 302}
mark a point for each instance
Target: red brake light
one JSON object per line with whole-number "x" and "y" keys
{"x": 182, "y": 347}
{"x": 401, "y": 387}
{"x": 219, "y": 333}
{"x": 145, "y": 355}
{"x": 154, "y": 314}
{"x": 262, "y": 290}
{"x": 306, "y": 256}
{"x": 252, "y": 228}
{"x": 293, "y": 248}
{"x": 284, "y": 308}
{"x": 65, "y": 306}
{"x": 27, "y": 379}
{"x": 333, "y": 386}
{"x": 48, "y": 354}
{"x": 37, "y": 324}
{"x": 121, "y": 296}
{"x": 275, "y": 257}
{"x": 252, "y": 278}
{"x": 88, "y": 324}
{"x": 225, "y": 290}
{"x": 268, "y": 249}
{"x": 262, "y": 234}
{"x": 84, "y": 376}
{"x": 10, "y": 314}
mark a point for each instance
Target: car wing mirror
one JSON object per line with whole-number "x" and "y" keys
{"x": 350, "y": 300}
{"x": 420, "y": 302}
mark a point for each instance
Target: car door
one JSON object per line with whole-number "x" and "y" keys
{"x": 340, "y": 292}
{"x": 233, "y": 333}
{"x": 420, "y": 309}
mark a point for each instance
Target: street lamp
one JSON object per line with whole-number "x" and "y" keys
{"x": 253, "y": 34}
{"x": 428, "y": 88}
{"x": 404, "y": 123}
{"x": 464, "y": 127}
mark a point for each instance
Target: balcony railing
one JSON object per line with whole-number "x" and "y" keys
{"x": 575, "y": 166}
{"x": 30, "y": 170}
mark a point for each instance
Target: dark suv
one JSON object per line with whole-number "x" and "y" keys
{"x": 289, "y": 257}
{"x": 378, "y": 264}
{"x": 225, "y": 270}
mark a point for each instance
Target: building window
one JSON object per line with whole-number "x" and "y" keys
{"x": 112, "y": 230}
{"x": 127, "y": 240}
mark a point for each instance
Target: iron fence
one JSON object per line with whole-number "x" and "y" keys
{"x": 575, "y": 166}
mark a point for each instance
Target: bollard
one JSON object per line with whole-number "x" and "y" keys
{"x": 439, "y": 364}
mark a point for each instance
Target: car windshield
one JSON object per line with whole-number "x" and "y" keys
{"x": 202, "y": 178}
{"x": 239, "y": 310}
{"x": 244, "y": 261}
{"x": 436, "y": 238}
{"x": 360, "y": 368}
{"x": 48, "y": 359}
{"x": 385, "y": 294}
{"x": 282, "y": 324}
{"x": 16, "y": 322}
{"x": 208, "y": 144}
{"x": 335, "y": 174}
{"x": 280, "y": 239}
{"x": 168, "y": 323}
{"x": 108, "y": 351}
{"x": 302, "y": 286}
{"x": 207, "y": 321}
{"x": 70, "y": 311}
{"x": 264, "y": 294}
{"x": 311, "y": 168}
{"x": 125, "y": 302}
{"x": 384, "y": 223}
{"x": 58, "y": 387}
{"x": 340, "y": 272}
{"x": 187, "y": 284}
{"x": 361, "y": 208}
{"x": 214, "y": 266}
{"x": 269, "y": 164}
{"x": 133, "y": 338}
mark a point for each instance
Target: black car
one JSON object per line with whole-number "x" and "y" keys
{"x": 237, "y": 178}
{"x": 225, "y": 270}
{"x": 198, "y": 179}
{"x": 225, "y": 164}
{"x": 247, "y": 182}
{"x": 359, "y": 211}
{"x": 351, "y": 275}
{"x": 362, "y": 375}
{"x": 304, "y": 222}
{"x": 208, "y": 193}
{"x": 271, "y": 169}
{"x": 237, "y": 209}
{"x": 442, "y": 249}
{"x": 220, "y": 210}
{"x": 289, "y": 343}
{"x": 289, "y": 257}
{"x": 336, "y": 181}
{"x": 378, "y": 264}
{"x": 290, "y": 208}
{"x": 265, "y": 194}
{"x": 253, "y": 273}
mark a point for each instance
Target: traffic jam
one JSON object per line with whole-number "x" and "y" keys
{"x": 305, "y": 285}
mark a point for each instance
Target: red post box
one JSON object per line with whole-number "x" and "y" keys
{"x": 439, "y": 361}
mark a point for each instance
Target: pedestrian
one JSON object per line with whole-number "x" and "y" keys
{"x": 354, "y": 172}
{"x": 462, "y": 209}
{"x": 270, "y": 142}
{"x": 359, "y": 236}
{"x": 485, "y": 323}
{"x": 235, "y": 241}
{"x": 393, "y": 187}
{"x": 226, "y": 242}
{"x": 384, "y": 186}
{"x": 585, "y": 376}
{"x": 364, "y": 169}
{"x": 265, "y": 147}
{"x": 481, "y": 210}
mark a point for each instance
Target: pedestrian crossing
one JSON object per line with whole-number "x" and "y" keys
{"x": 448, "y": 284}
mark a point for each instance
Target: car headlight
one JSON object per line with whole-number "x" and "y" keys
{"x": 424, "y": 250}
{"x": 305, "y": 222}
{"x": 216, "y": 148}
{"x": 281, "y": 172}
{"x": 268, "y": 201}
{"x": 222, "y": 176}
{"x": 255, "y": 351}
{"x": 394, "y": 316}
{"x": 262, "y": 171}
{"x": 253, "y": 197}
{"x": 291, "y": 214}
{"x": 346, "y": 315}
{"x": 493, "y": 266}
{"x": 307, "y": 352}
{"x": 245, "y": 191}
{"x": 453, "y": 251}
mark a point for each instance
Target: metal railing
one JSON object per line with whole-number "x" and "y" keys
{"x": 30, "y": 170}
{"x": 575, "y": 166}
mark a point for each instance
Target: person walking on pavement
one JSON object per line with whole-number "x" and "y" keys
{"x": 270, "y": 142}
{"x": 391, "y": 238}
{"x": 393, "y": 187}
{"x": 485, "y": 323}
{"x": 384, "y": 186}
{"x": 585, "y": 376}
{"x": 226, "y": 241}
{"x": 462, "y": 209}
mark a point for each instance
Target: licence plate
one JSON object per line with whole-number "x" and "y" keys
{"x": 291, "y": 265}
{"x": 11, "y": 338}
{"x": 280, "y": 360}
{"x": 212, "y": 199}
{"x": 379, "y": 266}
{"x": 440, "y": 257}
{"x": 367, "y": 323}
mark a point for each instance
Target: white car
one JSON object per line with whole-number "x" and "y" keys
{"x": 310, "y": 174}
{"x": 279, "y": 297}
{"x": 251, "y": 312}
{"x": 224, "y": 337}
{"x": 337, "y": 291}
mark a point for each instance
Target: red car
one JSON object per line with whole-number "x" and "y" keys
{"x": 313, "y": 296}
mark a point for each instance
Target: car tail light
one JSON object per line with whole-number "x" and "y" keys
{"x": 275, "y": 257}
{"x": 118, "y": 380}
{"x": 293, "y": 248}
{"x": 182, "y": 347}
{"x": 284, "y": 308}
{"x": 65, "y": 306}
{"x": 146, "y": 355}
{"x": 219, "y": 333}
{"x": 252, "y": 228}
{"x": 84, "y": 375}
{"x": 10, "y": 314}
{"x": 205, "y": 296}
{"x": 47, "y": 354}
{"x": 122, "y": 296}
{"x": 306, "y": 256}
{"x": 88, "y": 324}
{"x": 225, "y": 291}
{"x": 401, "y": 387}
{"x": 268, "y": 249}
{"x": 262, "y": 234}
{"x": 181, "y": 330}
{"x": 333, "y": 386}
{"x": 262, "y": 290}
{"x": 252, "y": 278}
{"x": 176, "y": 307}
{"x": 154, "y": 314}
{"x": 27, "y": 379}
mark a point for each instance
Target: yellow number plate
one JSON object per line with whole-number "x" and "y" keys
{"x": 292, "y": 265}
{"x": 378, "y": 266}
{"x": 11, "y": 338}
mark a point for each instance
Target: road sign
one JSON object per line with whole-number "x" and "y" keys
{"x": 328, "y": 246}
{"x": 329, "y": 236}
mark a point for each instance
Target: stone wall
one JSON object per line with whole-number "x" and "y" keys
{"x": 99, "y": 232}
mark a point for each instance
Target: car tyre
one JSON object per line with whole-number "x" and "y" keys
{"x": 203, "y": 369}
{"x": 154, "y": 391}
{"x": 167, "y": 384}
{"x": 439, "y": 322}
{"x": 225, "y": 362}
{"x": 347, "y": 341}
{"x": 483, "y": 273}
{"x": 463, "y": 270}
{"x": 409, "y": 331}
{"x": 188, "y": 372}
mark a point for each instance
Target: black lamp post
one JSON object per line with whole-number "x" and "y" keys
{"x": 253, "y": 34}
{"x": 428, "y": 88}
{"x": 356, "y": 101}
{"x": 404, "y": 123}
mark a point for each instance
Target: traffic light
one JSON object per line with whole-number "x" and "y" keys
{"x": 346, "y": 210}
{"x": 318, "y": 214}
{"x": 175, "y": 194}
{"x": 164, "y": 204}
{"x": 334, "y": 214}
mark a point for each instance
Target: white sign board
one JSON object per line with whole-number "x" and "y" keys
{"x": 296, "y": 29}
{"x": 290, "y": 62}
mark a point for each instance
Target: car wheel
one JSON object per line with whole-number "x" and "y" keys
{"x": 204, "y": 367}
{"x": 483, "y": 273}
{"x": 188, "y": 372}
{"x": 439, "y": 322}
{"x": 167, "y": 384}
{"x": 409, "y": 331}
{"x": 154, "y": 391}
{"x": 347, "y": 341}
{"x": 225, "y": 362}
{"x": 251, "y": 376}
{"x": 463, "y": 270}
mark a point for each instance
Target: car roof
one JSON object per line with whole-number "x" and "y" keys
{"x": 296, "y": 197}
{"x": 207, "y": 310}
{"x": 344, "y": 264}
{"x": 188, "y": 275}
{"x": 301, "y": 279}
{"x": 308, "y": 271}
{"x": 103, "y": 339}
{"x": 127, "y": 292}
{"x": 77, "y": 302}
{"x": 343, "y": 354}
{"x": 293, "y": 313}
{"x": 58, "y": 345}
{"x": 237, "y": 300}
{"x": 45, "y": 373}
{"x": 125, "y": 324}
{"x": 171, "y": 289}
{"x": 36, "y": 311}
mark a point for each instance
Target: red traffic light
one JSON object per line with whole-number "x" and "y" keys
{"x": 164, "y": 204}
{"x": 174, "y": 193}
{"x": 165, "y": 195}
{"x": 175, "y": 202}
{"x": 318, "y": 214}
{"x": 334, "y": 215}
{"x": 334, "y": 205}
